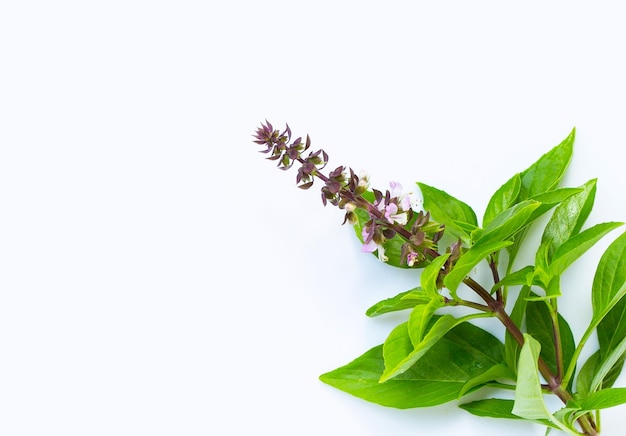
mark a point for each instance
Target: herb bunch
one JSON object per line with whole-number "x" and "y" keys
{"x": 442, "y": 238}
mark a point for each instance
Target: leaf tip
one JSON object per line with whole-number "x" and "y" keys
{"x": 325, "y": 378}
{"x": 384, "y": 377}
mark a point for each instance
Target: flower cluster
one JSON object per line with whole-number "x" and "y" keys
{"x": 386, "y": 215}
{"x": 394, "y": 209}
{"x": 286, "y": 152}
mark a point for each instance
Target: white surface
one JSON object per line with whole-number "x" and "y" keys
{"x": 159, "y": 277}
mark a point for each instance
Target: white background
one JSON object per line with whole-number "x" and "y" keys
{"x": 158, "y": 276}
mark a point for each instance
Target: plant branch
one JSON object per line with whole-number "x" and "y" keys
{"x": 558, "y": 345}
{"x": 471, "y": 304}
{"x": 586, "y": 422}
{"x": 385, "y": 222}
{"x": 493, "y": 266}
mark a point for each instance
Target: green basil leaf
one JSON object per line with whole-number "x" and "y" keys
{"x": 470, "y": 259}
{"x": 404, "y": 300}
{"x": 502, "y": 199}
{"x": 468, "y": 229}
{"x": 552, "y": 287}
{"x": 511, "y": 347}
{"x": 542, "y": 176}
{"x": 513, "y": 250}
{"x": 551, "y": 199}
{"x": 361, "y": 218}
{"x": 529, "y": 401}
{"x": 608, "y": 289}
{"x": 586, "y": 374}
{"x": 420, "y": 318}
{"x": 609, "y": 306}
{"x": 614, "y": 372}
{"x": 492, "y": 408}
{"x": 569, "y": 217}
{"x": 568, "y": 416}
{"x": 360, "y": 378}
{"x": 539, "y": 325}
{"x": 468, "y": 350}
{"x": 521, "y": 277}
{"x": 546, "y": 173}
{"x": 496, "y": 372}
{"x": 447, "y": 210}
{"x": 397, "y": 347}
{"x": 430, "y": 274}
{"x": 498, "y": 408}
{"x": 604, "y": 399}
{"x": 577, "y": 245}
{"x": 398, "y": 355}
{"x": 607, "y": 370}
{"x": 547, "y": 201}
{"x": 509, "y": 222}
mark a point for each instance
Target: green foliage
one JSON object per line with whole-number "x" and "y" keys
{"x": 430, "y": 275}
{"x": 604, "y": 399}
{"x": 569, "y": 217}
{"x": 503, "y": 199}
{"x": 542, "y": 176}
{"x": 448, "y": 210}
{"x": 437, "y": 355}
{"x": 401, "y": 351}
{"x": 605, "y": 368}
{"x": 540, "y": 326}
{"x": 529, "y": 402}
{"x": 477, "y": 253}
{"x": 523, "y": 276}
{"x": 587, "y": 373}
{"x": 402, "y": 301}
{"x": 518, "y": 314}
{"x": 609, "y": 286}
{"x": 509, "y": 221}
{"x": 490, "y": 377}
{"x": 545, "y": 174}
{"x": 538, "y": 342}
{"x": 467, "y": 350}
